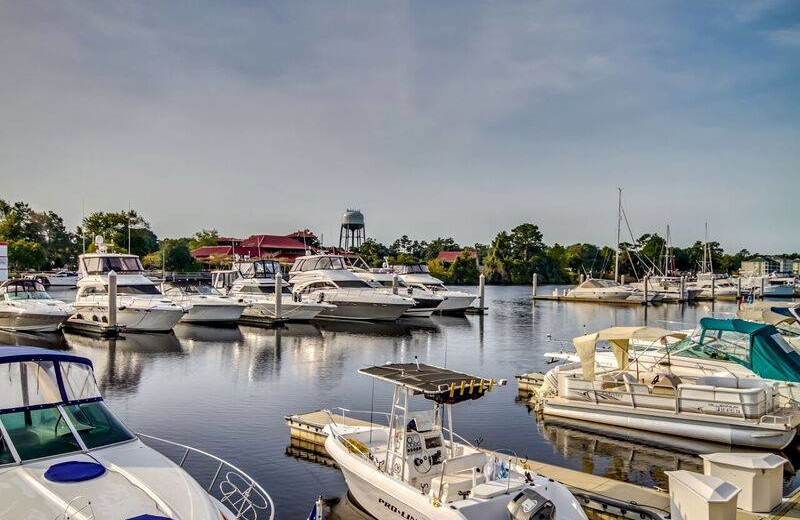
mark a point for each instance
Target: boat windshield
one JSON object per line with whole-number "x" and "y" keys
{"x": 137, "y": 289}
{"x": 25, "y": 290}
{"x": 412, "y": 269}
{"x": 33, "y": 420}
{"x": 119, "y": 264}
{"x": 351, "y": 284}
{"x": 263, "y": 289}
{"x": 202, "y": 289}
{"x": 719, "y": 345}
{"x": 321, "y": 262}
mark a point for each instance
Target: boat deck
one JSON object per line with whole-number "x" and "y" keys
{"x": 306, "y": 432}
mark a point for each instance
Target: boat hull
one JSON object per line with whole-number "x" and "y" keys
{"x": 680, "y": 425}
{"x": 31, "y": 322}
{"x": 264, "y": 312}
{"x": 133, "y": 319}
{"x": 455, "y": 304}
{"x": 363, "y": 311}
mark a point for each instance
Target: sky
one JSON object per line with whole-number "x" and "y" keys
{"x": 446, "y": 118}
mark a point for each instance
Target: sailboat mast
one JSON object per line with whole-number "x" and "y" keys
{"x": 619, "y": 226}
{"x": 667, "y": 258}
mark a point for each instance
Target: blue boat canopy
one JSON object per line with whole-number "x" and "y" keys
{"x": 32, "y": 377}
{"x": 766, "y": 352}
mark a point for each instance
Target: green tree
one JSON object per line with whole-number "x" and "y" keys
{"x": 464, "y": 271}
{"x": 24, "y": 254}
{"x": 204, "y": 237}
{"x": 439, "y": 270}
{"x": 432, "y": 249}
{"x": 113, "y": 227}
{"x": 373, "y": 253}
{"x": 174, "y": 255}
{"x": 526, "y": 241}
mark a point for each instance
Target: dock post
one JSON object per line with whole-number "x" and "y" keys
{"x": 739, "y": 288}
{"x": 622, "y": 279}
{"x": 682, "y": 295}
{"x": 581, "y": 279}
{"x": 395, "y": 284}
{"x": 112, "y": 299}
{"x": 534, "y": 283}
{"x": 762, "y": 286}
{"x": 278, "y": 295}
{"x": 482, "y": 291}
{"x": 713, "y": 288}
{"x": 646, "y": 288}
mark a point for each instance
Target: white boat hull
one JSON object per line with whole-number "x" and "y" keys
{"x": 264, "y": 312}
{"x": 31, "y": 322}
{"x": 455, "y": 304}
{"x": 132, "y": 319}
{"x": 681, "y": 425}
{"x": 363, "y": 311}
{"x": 599, "y": 294}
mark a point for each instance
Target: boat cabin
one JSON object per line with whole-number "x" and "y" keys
{"x": 103, "y": 263}
{"x": 50, "y": 405}
{"x": 23, "y": 289}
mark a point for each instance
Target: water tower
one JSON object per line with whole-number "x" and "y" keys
{"x": 352, "y": 232}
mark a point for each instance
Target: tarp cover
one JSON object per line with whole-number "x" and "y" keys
{"x": 771, "y": 356}
{"x": 74, "y": 471}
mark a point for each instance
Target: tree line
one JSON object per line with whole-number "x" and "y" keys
{"x": 39, "y": 240}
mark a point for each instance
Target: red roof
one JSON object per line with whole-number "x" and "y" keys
{"x": 272, "y": 242}
{"x": 207, "y": 251}
{"x": 302, "y": 234}
{"x": 450, "y": 256}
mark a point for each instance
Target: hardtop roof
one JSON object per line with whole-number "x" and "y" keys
{"x": 436, "y": 383}
{"x": 13, "y": 354}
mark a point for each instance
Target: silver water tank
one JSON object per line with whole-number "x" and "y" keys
{"x": 352, "y": 219}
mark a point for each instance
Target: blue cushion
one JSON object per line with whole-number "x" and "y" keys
{"x": 73, "y": 471}
{"x": 149, "y": 517}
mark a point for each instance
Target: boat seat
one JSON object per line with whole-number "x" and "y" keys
{"x": 633, "y": 386}
{"x": 455, "y": 487}
{"x": 495, "y": 488}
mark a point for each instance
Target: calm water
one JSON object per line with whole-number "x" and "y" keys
{"x": 227, "y": 390}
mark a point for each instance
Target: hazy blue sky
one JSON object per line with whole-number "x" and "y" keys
{"x": 436, "y": 118}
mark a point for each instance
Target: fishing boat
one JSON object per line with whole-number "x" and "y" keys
{"x": 671, "y": 395}
{"x": 64, "y": 455}
{"x": 140, "y": 305}
{"x": 202, "y": 303}
{"x": 418, "y": 276}
{"x": 415, "y": 468}
{"x": 26, "y": 306}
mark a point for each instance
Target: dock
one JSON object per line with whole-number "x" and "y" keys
{"x": 561, "y": 298}
{"x": 602, "y": 498}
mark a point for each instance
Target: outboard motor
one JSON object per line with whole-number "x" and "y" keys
{"x": 530, "y": 505}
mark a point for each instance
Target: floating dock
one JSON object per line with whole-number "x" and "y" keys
{"x": 95, "y": 328}
{"x": 602, "y": 498}
{"x": 561, "y": 298}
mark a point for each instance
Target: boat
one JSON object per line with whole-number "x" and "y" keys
{"x": 419, "y": 277}
{"x": 26, "y": 306}
{"x": 140, "y": 305}
{"x": 668, "y": 289}
{"x": 202, "y": 303}
{"x": 386, "y": 281}
{"x": 255, "y": 285}
{"x": 758, "y": 412}
{"x": 601, "y": 289}
{"x": 61, "y": 279}
{"x": 326, "y": 278}
{"x": 772, "y": 286}
{"x": 64, "y": 454}
{"x": 723, "y": 287}
{"x": 415, "y": 468}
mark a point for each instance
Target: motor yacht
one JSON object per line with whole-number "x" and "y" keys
{"x": 601, "y": 289}
{"x": 671, "y": 394}
{"x": 668, "y": 289}
{"x": 61, "y": 279}
{"x": 26, "y": 306}
{"x": 386, "y": 281}
{"x": 415, "y": 467}
{"x": 326, "y": 278}
{"x": 773, "y": 286}
{"x": 723, "y": 288}
{"x": 140, "y": 305}
{"x": 255, "y": 285}
{"x": 64, "y": 455}
{"x": 202, "y": 303}
{"x": 419, "y": 277}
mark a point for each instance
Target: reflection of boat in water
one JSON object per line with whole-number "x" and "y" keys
{"x": 51, "y": 340}
{"x": 402, "y": 327}
{"x": 142, "y": 343}
{"x": 213, "y": 333}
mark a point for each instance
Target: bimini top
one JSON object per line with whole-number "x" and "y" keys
{"x": 435, "y": 383}
{"x": 32, "y": 378}
{"x": 9, "y": 354}
{"x": 619, "y": 338}
{"x": 757, "y": 346}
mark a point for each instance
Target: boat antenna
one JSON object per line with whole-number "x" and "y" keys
{"x": 83, "y": 225}
{"x": 129, "y": 228}
{"x": 619, "y": 225}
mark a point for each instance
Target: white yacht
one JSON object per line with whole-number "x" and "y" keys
{"x": 419, "y": 277}
{"x": 601, "y": 289}
{"x": 26, "y": 306}
{"x": 383, "y": 279}
{"x": 668, "y": 289}
{"x": 202, "y": 303}
{"x": 669, "y": 392}
{"x": 774, "y": 286}
{"x": 415, "y": 467}
{"x": 61, "y": 279}
{"x": 254, "y": 283}
{"x": 140, "y": 305}
{"x": 326, "y": 278}
{"x": 723, "y": 288}
{"x": 64, "y": 455}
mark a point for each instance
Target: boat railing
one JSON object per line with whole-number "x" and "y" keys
{"x": 231, "y": 486}
{"x": 78, "y": 507}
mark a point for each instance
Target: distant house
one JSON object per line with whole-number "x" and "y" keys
{"x": 764, "y": 265}
{"x": 449, "y": 257}
{"x": 278, "y": 247}
{"x": 796, "y": 266}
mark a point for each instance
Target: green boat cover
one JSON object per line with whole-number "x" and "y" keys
{"x": 771, "y": 356}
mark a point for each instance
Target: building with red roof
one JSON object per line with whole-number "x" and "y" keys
{"x": 256, "y": 246}
{"x": 449, "y": 257}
